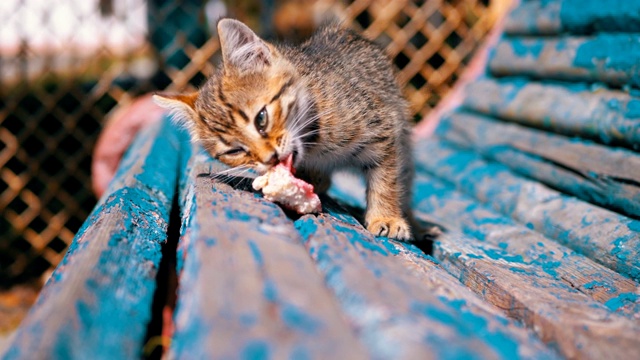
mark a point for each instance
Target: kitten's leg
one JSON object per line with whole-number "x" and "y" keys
{"x": 419, "y": 230}
{"x": 384, "y": 215}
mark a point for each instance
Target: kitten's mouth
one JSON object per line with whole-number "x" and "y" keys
{"x": 289, "y": 161}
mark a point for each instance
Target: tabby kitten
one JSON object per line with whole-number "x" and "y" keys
{"x": 332, "y": 102}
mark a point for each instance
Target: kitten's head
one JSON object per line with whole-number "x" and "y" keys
{"x": 253, "y": 110}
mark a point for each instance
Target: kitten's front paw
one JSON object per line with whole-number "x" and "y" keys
{"x": 396, "y": 228}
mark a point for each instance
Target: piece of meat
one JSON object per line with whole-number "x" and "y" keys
{"x": 279, "y": 185}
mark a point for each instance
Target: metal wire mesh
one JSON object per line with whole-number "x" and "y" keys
{"x": 65, "y": 65}
{"x": 430, "y": 41}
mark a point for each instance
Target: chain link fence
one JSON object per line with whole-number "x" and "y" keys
{"x": 65, "y": 65}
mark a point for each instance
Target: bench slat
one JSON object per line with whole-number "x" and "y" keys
{"x": 552, "y": 310}
{"x": 606, "y": 237}
{"x": 561, "y": 316}
{"x": 550, "y": 17}
{"x": 470, "y": 306}
{"x": 402, "y": 304}
{"x": 97, "y": 303}
{"x": 248, "y": 287}
{"x": 605, "y": 176}
{"x": 610, "y": 58}
{"x": 476, "y": 220}
{"x": 573, "y": 109}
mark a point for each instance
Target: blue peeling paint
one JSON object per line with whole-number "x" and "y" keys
{"x": 621, "y": 300}
{"x": 634, "y": 225}
{"x": 232, "y": 214}
{"x": 468, "y": 324}
{"x": 586, "y": 16}
{"x": 256, "y": 350}
{"x": 255, "y": 252}
{"x": 300, "y": 321}
{"x": 467, "y": 171}
{"x": 527, "y": 272}
{"x": 633, "y": 109}
{"x": 299, "y": 352}
{"x": 550, "y": 267}
{"x": 615, "y": 52}
{"x": 599, "y": 284}
{"x": 357, "y": 238}
{"x": 248, "y": 320}
{"x": 270, "y": 291}
{"x": 306, "y": 226}
{"x": 527, "y": 47}
{"x": 495, "y": 255}
{"x": 607, "y": 119}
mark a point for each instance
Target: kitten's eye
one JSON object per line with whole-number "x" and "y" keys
{"x": 234, "y": 151}
{"x": 261, "y": 121}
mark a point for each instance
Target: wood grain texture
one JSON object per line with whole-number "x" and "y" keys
{"x": 544, "y": 17}
{"x": 604, "y": 176}
{"x": 608, "y": 116}
{"x": 248, "y": 288}
{"x": 98, "y": 301}
{"x": 604, "y": 236}
{"x": 564, "y": 317}
{"x": 610, "y": 58}
{"x": 458, "y": 211}
{"x": 561, "y": 316}
{"x": 402, "y": 304}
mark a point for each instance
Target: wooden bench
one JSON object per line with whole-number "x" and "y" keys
{"x": 534, "y": 176}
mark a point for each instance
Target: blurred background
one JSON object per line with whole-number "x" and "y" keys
{"x": 66, "y": 65}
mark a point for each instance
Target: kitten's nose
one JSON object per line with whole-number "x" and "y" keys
{"x": 273, "y": 160}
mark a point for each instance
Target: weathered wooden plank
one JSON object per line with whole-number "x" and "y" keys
{"x": 459, "y": 211}
{"x": 604, "y": 236}
{"x": 534, "y": 18}
{"x": 610, "y": 58}
{"x": 403, "y": 305}
{"x": 563, "y": 317}
{"x": 605, "y": 176}
{"x": 97, "y": 303}
{"x": 552, "y": 17}
{"x": 573, "y": 109}
{"x": 248, "y": 288}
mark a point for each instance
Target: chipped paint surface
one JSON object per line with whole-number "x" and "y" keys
{"x": 508, "y": 188}
{"x": 612, "y": 54}
{"x": 608, "y": 116}
{"x": 589, "y": 15}
{"x": 538, "y": 299}
{"x": 256, "y": 284}
{"x": 552, "y": 17}
{"x": 98, "y": 301}
{"x": 247, "y": 285}
{"x": 518, "y": 244}
{"x": 397, "y": 315}
{"x": 609, "y": 58}
{"x": 604, "y": 236}
{"x": 590, "y": 171}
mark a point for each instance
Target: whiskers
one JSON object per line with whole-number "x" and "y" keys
{"x": 298, "y": 127}
{"x": 238, "y": 176}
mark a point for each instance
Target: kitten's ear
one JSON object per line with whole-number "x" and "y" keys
{"x": 181, "y": 106}
{"x": 241, "y": 47}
